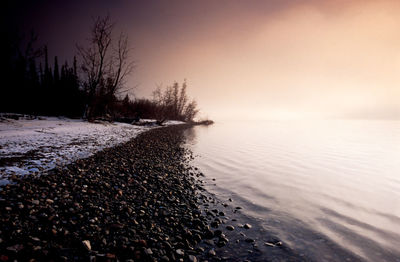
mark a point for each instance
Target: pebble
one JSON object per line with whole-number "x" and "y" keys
{"x": 87, "y": 245}
{"x": 148, "y": 251}
{"x": 217, "y": 233}
{"x": 180, "y": 252}
{"x": 249, "y": 240}
{"x": 230, "y": 228}
{"x": 133, "y": 200}
{"x": 247, "y": 226}
{"x": 211, "y": 252}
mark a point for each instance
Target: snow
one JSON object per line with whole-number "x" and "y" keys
{"x": 35, "y": 146}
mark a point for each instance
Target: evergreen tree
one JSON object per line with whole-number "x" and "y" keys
{"x": 56, "y": 73}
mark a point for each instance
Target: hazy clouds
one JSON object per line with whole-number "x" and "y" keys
{"x": 262, "y": 58}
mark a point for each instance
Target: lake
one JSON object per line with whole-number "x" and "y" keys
{"x": 329, "y": 189}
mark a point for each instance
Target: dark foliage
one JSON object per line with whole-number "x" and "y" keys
{"x": 33, "y": 85}
{"x": 30, "y": 89}
{"x": 172, "y": 103}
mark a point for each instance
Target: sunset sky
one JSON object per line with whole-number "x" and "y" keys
{"x": 248, "y": 59}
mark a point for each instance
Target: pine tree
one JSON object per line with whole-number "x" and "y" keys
{"x": 56, "y": 73}
{"x": 46, "y": 65}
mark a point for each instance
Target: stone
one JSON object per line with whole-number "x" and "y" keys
{"x": 230, "y": 228}
{"x": 247, "y": 226}
{"x": 87, "y": 245}
{"x": 212, "y": 252}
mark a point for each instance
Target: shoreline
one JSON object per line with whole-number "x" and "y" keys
{"x": 138, "y": 201}
{"x": 30, "y": 145}
{"x": 133, "y": 201}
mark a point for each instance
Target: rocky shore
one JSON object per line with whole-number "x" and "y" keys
{"x": 138, "y": 202}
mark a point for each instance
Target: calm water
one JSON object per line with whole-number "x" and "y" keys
{"x": 323, "y": 187}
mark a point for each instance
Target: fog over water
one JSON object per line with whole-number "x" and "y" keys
{"x": 320, "y": 186}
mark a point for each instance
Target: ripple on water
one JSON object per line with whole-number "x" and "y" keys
{"x": 330, "y": 189}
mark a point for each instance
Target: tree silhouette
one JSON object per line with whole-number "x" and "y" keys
{"x": 105, "y": 64}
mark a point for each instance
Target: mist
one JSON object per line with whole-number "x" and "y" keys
{"x": 251, "y": 60}
{"x": 305, "y": 59}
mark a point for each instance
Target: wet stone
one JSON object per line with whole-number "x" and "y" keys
{"x": 247, "y": 226}
{"x": 180, "y": 252}
{"x": 148, "y": 251}
{"x": 230, "y": 228}
{"x": 87, "y": 245}
{"x": 137, "y": 201}
{"x": 211, "y": 252}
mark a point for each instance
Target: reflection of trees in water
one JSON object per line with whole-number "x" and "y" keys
{"x": 190, "y": 135}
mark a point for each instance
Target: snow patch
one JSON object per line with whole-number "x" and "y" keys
{"x": 32, "y": 146}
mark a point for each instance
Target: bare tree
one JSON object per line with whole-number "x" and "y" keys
{"x": 105, "y": 64}
{"x": 173, "y": 103}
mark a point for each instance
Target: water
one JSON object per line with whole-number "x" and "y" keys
{"x": 329, "y": 189}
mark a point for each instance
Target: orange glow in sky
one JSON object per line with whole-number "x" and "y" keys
{"x": 336, "y": 59}
{"x": 250, "y": 58}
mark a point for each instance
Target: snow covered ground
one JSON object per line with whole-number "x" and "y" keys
{"x": 33, "y": 146}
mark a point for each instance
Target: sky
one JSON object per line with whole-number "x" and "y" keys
{"x": 246, "y": 59}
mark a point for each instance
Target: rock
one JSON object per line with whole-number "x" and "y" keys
{"x": 148, "y": 251}
{"x": 209, "y": 242}
{"x": 15, "y": 248}
{"x": 230, "y": 228}
{"x": 35, "y": 239}
{"x": 153, "y": 209}
{"x": 211, "y": 252}
{"x": 269, "y": 244}
{"x": 247, "y": 226}
{"x": 208, "y": 234}
{"x": 222, "y": 241}
{"x": 214, "y": 224}
{"x": 180, "y": 252}
{"x": 192, "y": 258}
{"x": 87, "y": 245}
{"x": 217, "y": 233}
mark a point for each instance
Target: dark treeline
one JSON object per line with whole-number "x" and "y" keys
{"x": 91, "y": 88}
{"x": 171, "y": 103}
{"x": 34, "y": 85}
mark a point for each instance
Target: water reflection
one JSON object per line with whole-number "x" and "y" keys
{"x": 330, "y": 189}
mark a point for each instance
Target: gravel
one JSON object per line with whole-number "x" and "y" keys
{"x": 139, "y": 201}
